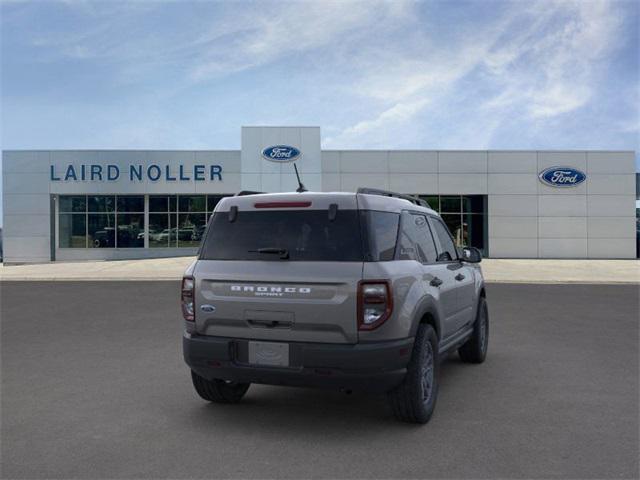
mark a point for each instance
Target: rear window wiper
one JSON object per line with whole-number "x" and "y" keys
{"x": 283, "y": 252}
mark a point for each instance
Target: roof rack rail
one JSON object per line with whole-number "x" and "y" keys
{"x": 385, "y": 193}
{"x": 242, "y": 193}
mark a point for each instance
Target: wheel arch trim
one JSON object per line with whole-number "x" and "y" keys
{"x": 428, "y": 313}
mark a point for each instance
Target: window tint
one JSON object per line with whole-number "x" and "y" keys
{"x": 409, "y": 247}
{"x": 382, "y": 232}
{"x": 307, "y": 235}
{"x": 416, "y": 242}
{"x": 448, "y": 248}
{"x": 425, "y": 239}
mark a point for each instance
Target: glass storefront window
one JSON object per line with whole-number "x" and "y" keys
{"x": 450, "y": 204}
{"x": 474, "y": 230}
{"x": 190, "y": 229}
{"x": 131, "y": 203}
{"x": 73, "y": 203}
{"x": 103, "y": 203}
{"x": 130, "y": 230}
{"x": 454, "y": 223}
{"x": 158, "y": 203}
{"x": 474, "y": 203}
{"x": 192, "y": 203}
{"x": 118, "y": 221}
{"x": 434, "y": 202}
{"x": 101, "y": 230}
{"x": 173, "y": 227}
{"x": 173, "y": 203}
{"x": 159, "y": 232}
{"x": 163, "y": 220}
{"x": 72, "y": 230}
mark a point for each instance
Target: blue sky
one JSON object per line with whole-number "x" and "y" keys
{"x": 446, "y": 75}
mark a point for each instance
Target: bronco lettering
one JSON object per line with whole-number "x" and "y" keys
{"x": 272, "y": 289}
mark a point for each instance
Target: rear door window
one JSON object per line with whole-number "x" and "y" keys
{"x": 306, "y": 235}
{"x": 408, "y": 241}
{"x": 416, "y": 242}
{"x": 425, "y": 239}
{"x": 447, "y": 251}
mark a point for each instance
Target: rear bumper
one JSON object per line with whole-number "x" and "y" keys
{"x": 373, "y": 367}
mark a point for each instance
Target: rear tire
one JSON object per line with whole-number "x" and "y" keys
{"x": 475, "y": 349}
{"x": 219, "y": 391}
{"x": 414, "y": 400}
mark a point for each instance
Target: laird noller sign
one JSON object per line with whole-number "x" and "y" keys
{"x": 135, "y": 173}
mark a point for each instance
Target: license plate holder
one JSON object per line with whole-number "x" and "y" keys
{"x": 269, "y": 354}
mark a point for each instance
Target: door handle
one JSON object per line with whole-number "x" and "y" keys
{"x": 459, "y": 277}
{"x": 436, "y": 282}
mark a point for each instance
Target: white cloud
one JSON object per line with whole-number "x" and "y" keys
{"x": 230, "y": 38}
{"x": 283, "y": 29}
{"x": 539, "y": 60}
{"x": 373, "y": 72}
{"x": 400, "y": 112}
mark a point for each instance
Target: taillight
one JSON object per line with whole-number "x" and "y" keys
{"x": 375, "y": 303}
{"x": 186, "y": 299}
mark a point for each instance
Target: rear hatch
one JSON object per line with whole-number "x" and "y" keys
{"x": 281, "y": 267}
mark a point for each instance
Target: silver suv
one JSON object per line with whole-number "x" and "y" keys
{"x": 353, "y": 291}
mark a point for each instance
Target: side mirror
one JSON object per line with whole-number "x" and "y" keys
{"x": 471, "y": 255}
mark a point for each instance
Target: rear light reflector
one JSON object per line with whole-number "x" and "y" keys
{"x": 282, "y": 204}
{"x": 186, "y": 299}
{"x": 375, "y": 303}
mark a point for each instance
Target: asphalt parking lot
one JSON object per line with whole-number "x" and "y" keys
{"x": 93, "y": 386}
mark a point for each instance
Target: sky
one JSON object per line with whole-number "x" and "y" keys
{"x": 373, "y": 74}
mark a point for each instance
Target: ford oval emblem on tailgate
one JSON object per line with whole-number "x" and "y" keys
{"x": 207, "y": 308}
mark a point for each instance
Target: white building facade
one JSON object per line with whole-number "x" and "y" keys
{"x": 111, "y": 204}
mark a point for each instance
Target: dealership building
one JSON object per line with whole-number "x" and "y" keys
{"x": 69, "y": 205}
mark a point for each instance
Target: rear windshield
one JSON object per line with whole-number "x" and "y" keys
{"x": 293, "y": 235}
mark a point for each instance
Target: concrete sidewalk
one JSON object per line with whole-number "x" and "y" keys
{"x": 495, "y": 270}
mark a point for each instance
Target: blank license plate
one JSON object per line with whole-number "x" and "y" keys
{"x": 269, "y": 353}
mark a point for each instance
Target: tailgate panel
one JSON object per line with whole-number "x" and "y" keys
{"x": 278, "y": 300}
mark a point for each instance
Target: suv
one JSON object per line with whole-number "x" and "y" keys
{"x": 353, "y": 291}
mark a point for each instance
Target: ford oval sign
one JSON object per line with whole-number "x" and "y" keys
{"x": 562, "y": 177}
{"x": 281, "y": 153}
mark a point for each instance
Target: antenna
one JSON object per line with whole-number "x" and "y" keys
{"x": 301, "y": 187}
